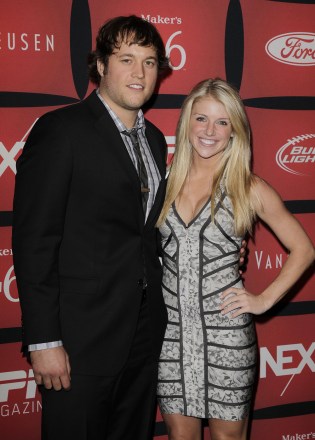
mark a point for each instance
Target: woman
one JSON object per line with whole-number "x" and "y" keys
{"x": 208, "y": 360}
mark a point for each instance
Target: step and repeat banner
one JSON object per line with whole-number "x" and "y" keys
{"x": 267, "y": 49}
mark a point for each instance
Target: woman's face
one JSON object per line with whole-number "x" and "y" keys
{"x": 210, "y": 129}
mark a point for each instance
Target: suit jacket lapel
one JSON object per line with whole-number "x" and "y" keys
{"x": 113, "y": 142}
{"x": 160, "y": 160}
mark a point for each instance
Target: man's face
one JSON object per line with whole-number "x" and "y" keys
{"x": 130, "y": 78}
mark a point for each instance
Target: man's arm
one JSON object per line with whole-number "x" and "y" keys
{"x": 40, "y": 200}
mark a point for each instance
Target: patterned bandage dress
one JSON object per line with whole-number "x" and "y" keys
{"x": 208, "y": 361}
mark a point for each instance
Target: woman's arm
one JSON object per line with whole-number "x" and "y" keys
{"x": 290, "y": 233}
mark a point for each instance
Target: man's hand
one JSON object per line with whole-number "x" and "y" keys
{"x": 243, "y": 255}
{"x": 51, "y": 368}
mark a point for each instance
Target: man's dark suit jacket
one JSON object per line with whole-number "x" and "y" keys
{"x": 80, "y": 244}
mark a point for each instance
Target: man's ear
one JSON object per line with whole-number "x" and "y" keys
{"x": 100, "y": 67}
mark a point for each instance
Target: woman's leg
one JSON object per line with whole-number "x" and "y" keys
{"x": 228, "y": 430}
{"x": 182, "y": 427}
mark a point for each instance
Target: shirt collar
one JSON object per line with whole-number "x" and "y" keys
{"x": 139, "y": 124}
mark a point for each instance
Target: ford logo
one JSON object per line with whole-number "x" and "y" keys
{"x": 295, "y": 48}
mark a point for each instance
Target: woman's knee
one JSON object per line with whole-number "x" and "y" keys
{"x": 182, "y": 427}
{"x": 228, "y": 430}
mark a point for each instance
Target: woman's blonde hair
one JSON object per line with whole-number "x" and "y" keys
{"x": 234, "y": 166}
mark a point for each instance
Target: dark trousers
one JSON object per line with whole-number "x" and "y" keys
{"x": 120, "y": 407}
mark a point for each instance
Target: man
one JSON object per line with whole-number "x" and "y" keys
{"x": 85, "y": 248}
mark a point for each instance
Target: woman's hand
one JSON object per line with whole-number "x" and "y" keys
{"x": 239, "y": 301}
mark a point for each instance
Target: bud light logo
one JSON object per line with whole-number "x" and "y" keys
{"x": 297, "y": 155}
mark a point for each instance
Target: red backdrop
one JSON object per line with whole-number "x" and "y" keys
{"x": 267, "y": 49}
